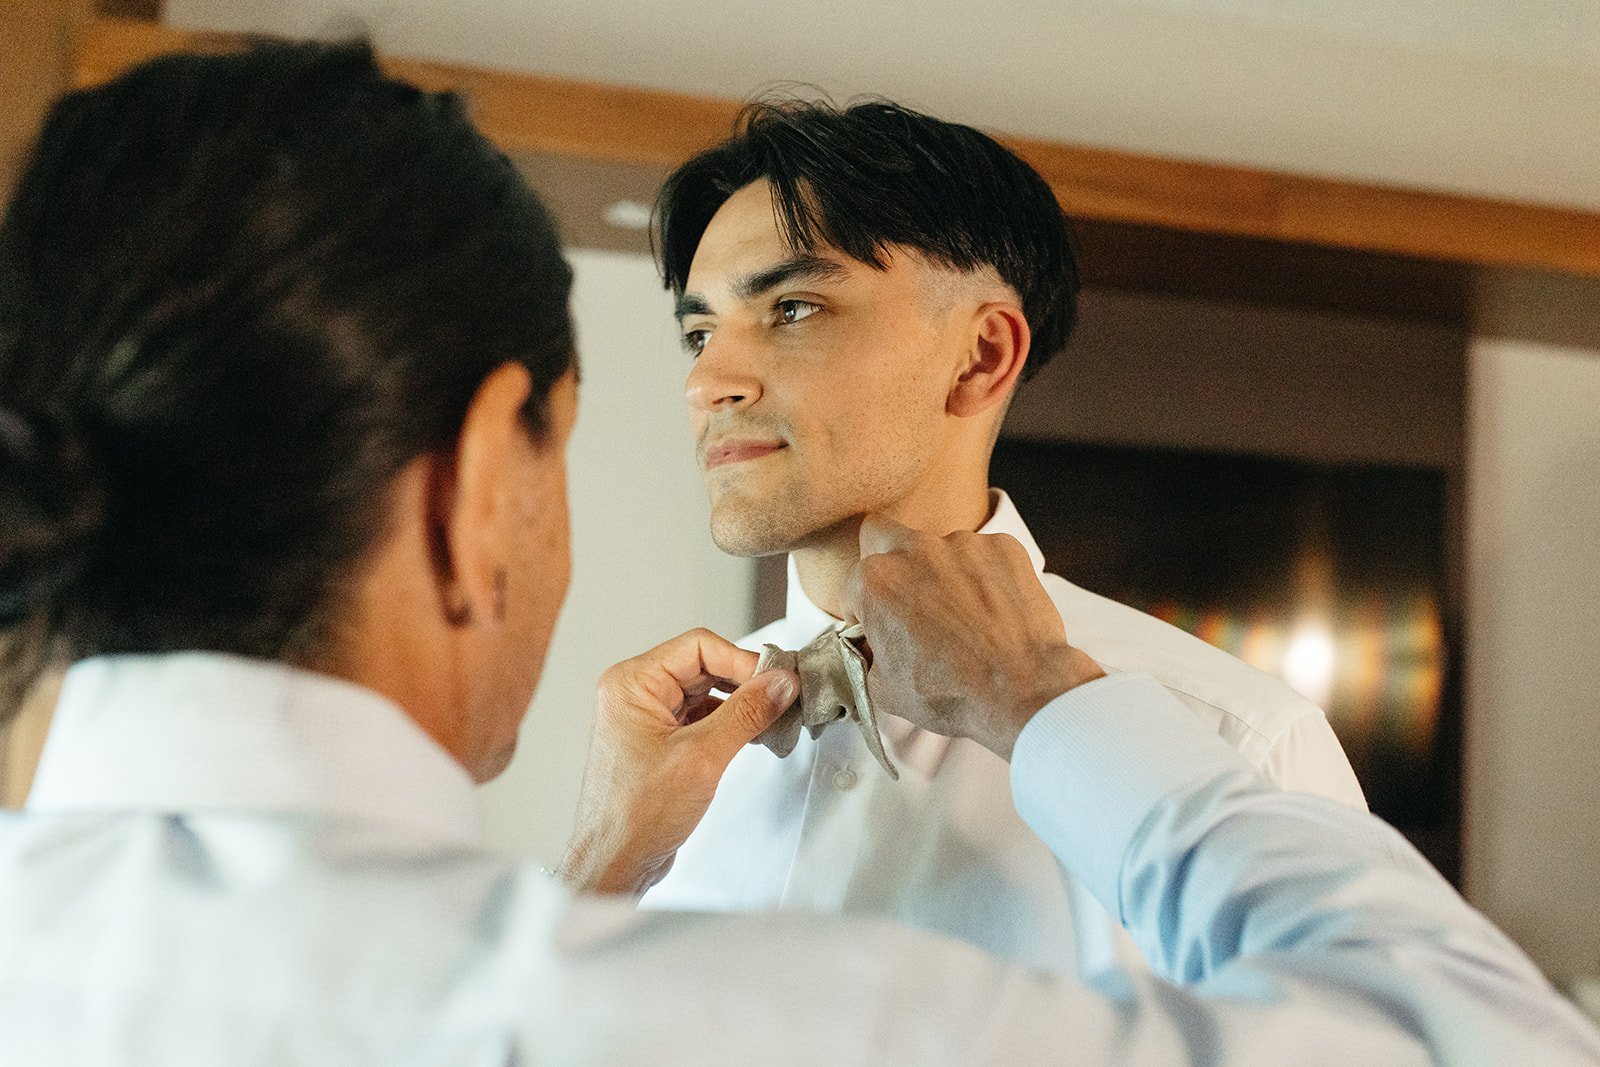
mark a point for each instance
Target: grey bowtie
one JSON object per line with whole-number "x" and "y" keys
{"x": 833, "y": 686}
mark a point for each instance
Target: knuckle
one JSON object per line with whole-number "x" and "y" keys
{"x": 872, "y": 570}
{"x": 1002, "y": 546}
{"x": 966, "y": 542}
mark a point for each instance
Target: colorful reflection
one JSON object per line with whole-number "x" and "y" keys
{"x": 1375, "y": 663}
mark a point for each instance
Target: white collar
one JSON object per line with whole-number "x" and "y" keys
{"x": 801, "y": 615}
{"x": 198, "y": 731}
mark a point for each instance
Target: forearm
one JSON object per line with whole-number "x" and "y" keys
{"x": 1247, "y": 894}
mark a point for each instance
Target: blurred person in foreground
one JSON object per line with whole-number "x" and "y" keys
{"x": 286, "y": 375}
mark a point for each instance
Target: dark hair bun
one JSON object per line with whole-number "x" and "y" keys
{"x": 52, "y": 505}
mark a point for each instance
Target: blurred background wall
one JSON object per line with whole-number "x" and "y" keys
{"x": 1533, "y": 664}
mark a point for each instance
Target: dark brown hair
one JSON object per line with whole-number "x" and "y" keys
{"x": 872, "y": 175}
{"x": 238, "y": 293}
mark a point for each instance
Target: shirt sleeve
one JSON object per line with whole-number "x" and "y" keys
{"x": 1278, "y": 916}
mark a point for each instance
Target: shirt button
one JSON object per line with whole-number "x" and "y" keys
{"x": 844, "y": 778}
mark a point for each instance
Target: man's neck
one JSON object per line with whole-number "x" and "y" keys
{"x": 824, "y": 567}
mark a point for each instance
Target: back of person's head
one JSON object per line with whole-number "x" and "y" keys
{"x": 874, "y": 175}
{"x": 238, "y": 294}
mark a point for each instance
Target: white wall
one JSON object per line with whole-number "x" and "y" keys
{"x": 1532, "y": 747}
{"x": 644, "y": 567}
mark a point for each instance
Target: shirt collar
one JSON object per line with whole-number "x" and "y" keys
{"x": 802, "y": 616}
{"x": 198, "y": 731}
{"x": 1005, "y": 519}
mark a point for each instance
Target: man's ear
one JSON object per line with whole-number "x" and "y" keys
{"x": 997, "y": 350}
{"x": 473, "y": 499}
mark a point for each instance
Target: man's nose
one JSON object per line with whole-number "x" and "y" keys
{"x": 722, "y": 378}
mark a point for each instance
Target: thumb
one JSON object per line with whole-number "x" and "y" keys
{"x": 751, "y": 708}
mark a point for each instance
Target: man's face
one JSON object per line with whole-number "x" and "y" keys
{"x": 819, "y": 384}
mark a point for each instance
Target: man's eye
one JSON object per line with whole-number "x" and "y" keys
{"x": 694, "y": 341}
{"x": 792, "y": 311}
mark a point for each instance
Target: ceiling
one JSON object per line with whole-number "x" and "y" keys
{"x": 1484, "y": 97}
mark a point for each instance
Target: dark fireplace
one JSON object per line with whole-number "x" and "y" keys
{"x": 1331, "y": 577}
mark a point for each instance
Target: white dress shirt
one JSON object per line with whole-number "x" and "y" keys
{"x": 232, "y": 862}
{"x": 824, "y": 829}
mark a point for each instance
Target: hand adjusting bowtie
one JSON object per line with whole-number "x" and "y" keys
{"x": 833, "y": 686}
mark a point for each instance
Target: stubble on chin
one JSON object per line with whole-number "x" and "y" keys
{"x": 749, "y": 520}
{"x": 744, "y": 529}
{"x": 773, "y": 526}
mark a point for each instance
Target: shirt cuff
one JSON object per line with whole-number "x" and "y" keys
{"x": 1089, "y": 768}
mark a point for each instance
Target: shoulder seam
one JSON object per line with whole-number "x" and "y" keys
{"x": 1296, "y": 713}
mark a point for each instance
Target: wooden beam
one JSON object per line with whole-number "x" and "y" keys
{"x": 520, "y": 112}
{"x": 149, "y": 10}
{"x": 1237, "y": 202}
{"x": 36, "y": 54}
{"x": 532, "y": 114}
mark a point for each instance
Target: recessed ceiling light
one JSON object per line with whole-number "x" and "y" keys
{"x": 627, "y": 215}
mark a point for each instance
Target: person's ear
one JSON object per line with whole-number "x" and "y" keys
{"x": 474, "y": 499}
{"x": 997, "y": 350}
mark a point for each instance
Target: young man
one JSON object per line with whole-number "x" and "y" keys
{"x": 861, "y": 292}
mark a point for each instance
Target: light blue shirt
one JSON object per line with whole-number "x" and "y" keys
{"x": 232, "y": 862}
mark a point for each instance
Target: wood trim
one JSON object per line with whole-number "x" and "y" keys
{"x": 527, "y": 113}
{"x": 36, "y": 54}
{"x": 148, "y": 10}
{"x": 1237, "y": 202}
{"x": 520, "y": 112}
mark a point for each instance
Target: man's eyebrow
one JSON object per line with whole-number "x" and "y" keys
{"x": 802, "y": 267}
{"x": 691, "y": 304}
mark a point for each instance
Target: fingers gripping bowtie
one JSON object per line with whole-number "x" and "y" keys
{"x": 833, "y": 686}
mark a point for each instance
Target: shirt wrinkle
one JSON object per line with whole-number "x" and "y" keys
{"x": 1176, "y": 687}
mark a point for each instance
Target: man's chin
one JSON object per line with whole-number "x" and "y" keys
{"x": 748, "y": 543}
{"x": 748, "y": 528}
{"x": 764, "y": 532}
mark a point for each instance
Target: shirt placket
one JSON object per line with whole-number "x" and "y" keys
{"x": 832, "y": 832}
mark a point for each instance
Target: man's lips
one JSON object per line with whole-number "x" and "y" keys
{"x": 738, "y": 450}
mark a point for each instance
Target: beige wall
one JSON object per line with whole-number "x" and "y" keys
{"x": 1532, "y": 759}
{"x": 644, "y": 567}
